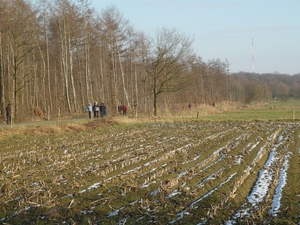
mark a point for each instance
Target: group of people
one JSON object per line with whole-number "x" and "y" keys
{"x": 122, "y": 110}
{"x": 97, "y": 109}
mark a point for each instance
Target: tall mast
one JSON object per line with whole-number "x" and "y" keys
{"x": 252, "y": 55}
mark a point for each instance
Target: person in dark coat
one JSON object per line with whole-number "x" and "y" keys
{"x": 8, "y": 114}
{"x": 103, "y": 110}
{"x": 96, "y": 109}
{"x": 120, "y": 109}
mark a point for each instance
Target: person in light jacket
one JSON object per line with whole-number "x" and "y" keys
{"x": 90, "y": 109}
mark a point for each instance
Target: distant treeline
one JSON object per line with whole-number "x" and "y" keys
{"x": 280, "y": 86}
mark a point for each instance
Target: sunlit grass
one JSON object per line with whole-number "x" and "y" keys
{"x": 272, "y": 111}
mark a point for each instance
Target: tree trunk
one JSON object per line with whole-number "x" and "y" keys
{"x": 102, "y": 92}
{"x": 123, "y": 81}
{"x": 72, "y": 79}
{"x": 81, "y": 78}
{"x": 135, "y": 96}
{"x": 14, "y": 95}
{"x": 154, "y": 98}
{"x": 155, "y": 104}
{"x": 34, "y": 100}
{"x": 114, "y": 81}
{"x": 2, "y": 99}
{"x": 89, "y": 92}
{"x": 64, "y": 61}
{"x": 48, "y": 69}
{"x": 43, "y": 86}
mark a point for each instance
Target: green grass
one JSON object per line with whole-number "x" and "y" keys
{"x": 272, "y": 111}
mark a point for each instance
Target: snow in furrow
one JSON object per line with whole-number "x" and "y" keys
{"x": 282, "y": 182}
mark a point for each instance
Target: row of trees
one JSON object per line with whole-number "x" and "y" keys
{"x": 60, "y": 55}
{"x": 276, "y": 85}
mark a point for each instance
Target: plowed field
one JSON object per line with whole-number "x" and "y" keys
{"x": 159, "y": 173}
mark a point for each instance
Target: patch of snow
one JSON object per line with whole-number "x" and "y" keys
{"x": 182, "y": 213}
{"x": 210, "y": 177}
{"x": 174, "y": 193}
{"x": 115, "y": 213}
{"x": 155, "y": 192}
{"x": 263, "y": 182}
{"x": 282, "y": 182}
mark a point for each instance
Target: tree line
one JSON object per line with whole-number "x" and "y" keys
{"x": 60, "y": 55}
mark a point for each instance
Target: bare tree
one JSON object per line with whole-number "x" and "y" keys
{"x": 20, "y": 43}
{"x": 42, "y": 40}
{"x": 64, "y": 23}
{"x": 85, "y": 15}
{"x": 115, "y": 32}
{"x": 140, "y": 51}
{"x": 166, "y": 62}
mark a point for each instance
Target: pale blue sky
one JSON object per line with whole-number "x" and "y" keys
{"x": 224, "y": 29}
